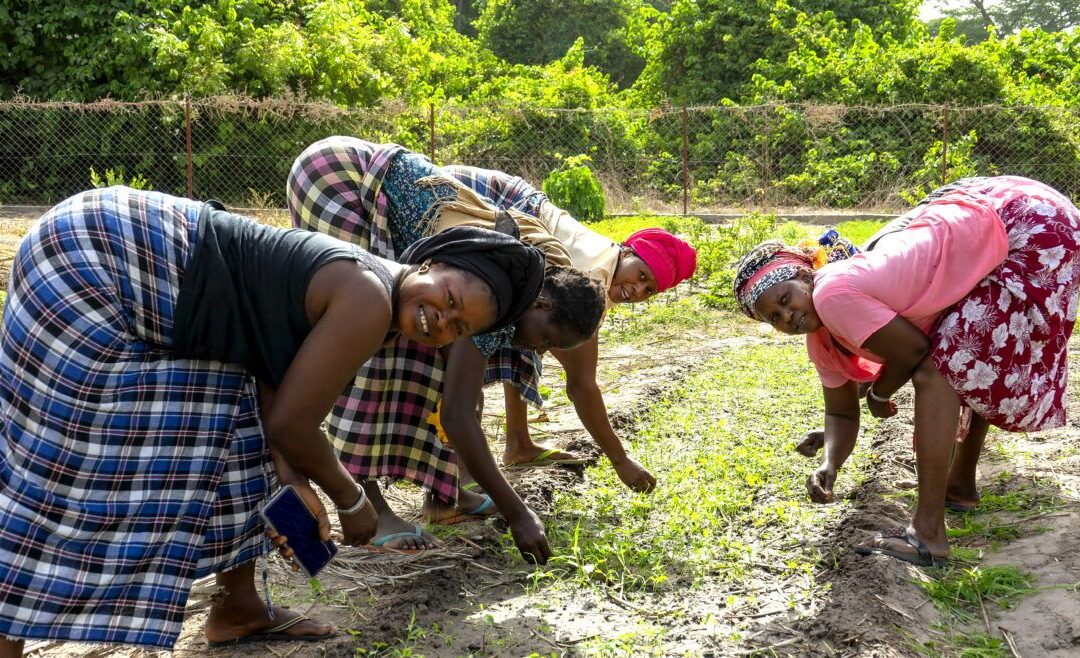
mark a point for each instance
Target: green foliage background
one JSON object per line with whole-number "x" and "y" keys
{"x": 520, "y": 81}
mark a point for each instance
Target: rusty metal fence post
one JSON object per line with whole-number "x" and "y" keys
{"x": 190, "y": 167}
{"x": 431, "y": 131}
{"x": 944, "y": 144}
{"x": 685, "y": 165}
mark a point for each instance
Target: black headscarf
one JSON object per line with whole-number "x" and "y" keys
{"x": 512, "y": 269}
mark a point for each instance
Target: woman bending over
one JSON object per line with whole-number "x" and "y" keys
{"x": 973, "y": 301}
{"x": 162, "y": 363}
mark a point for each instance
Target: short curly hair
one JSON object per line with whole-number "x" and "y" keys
{"x": 577, "y": 301}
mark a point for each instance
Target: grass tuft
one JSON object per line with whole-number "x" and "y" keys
{"x": 960, "y": 592}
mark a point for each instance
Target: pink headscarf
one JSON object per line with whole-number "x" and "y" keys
{"x": 671, "y": 259}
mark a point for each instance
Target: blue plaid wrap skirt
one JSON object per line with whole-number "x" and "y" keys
{"x": 125, "y": 473}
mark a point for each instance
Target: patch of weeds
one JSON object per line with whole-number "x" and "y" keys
{"x": 641, "y": 641}
{"x": 732, "y": 499}
{"x": 965, "y": 555}
{"x": 634, "y": 323}
{"x": 959, "y": 592}
{"x": 973, "y": 645}
{"x": 1019, "y": 495}
{"x": 403, "y": 647}
{"x": 987, "y": 528}
{"x": 859, "y": 230}
{"x": 909, "y": 496}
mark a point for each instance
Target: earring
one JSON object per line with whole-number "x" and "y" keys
{"x": 424, "y": 267}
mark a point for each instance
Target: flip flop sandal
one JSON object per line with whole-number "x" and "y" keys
{"x": 959, "y": 508}
{"x": 276, "y": 634}
{"x": 543, "y": 459}
{"x": 473, "y": 486}
{"x": 380, "y": 545}
{"x": 479, "y": 512}
{"x": 921, "y": 558}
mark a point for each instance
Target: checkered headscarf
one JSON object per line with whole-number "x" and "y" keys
{"x": 764, "y": 266}
{"x": 772, "y": 262}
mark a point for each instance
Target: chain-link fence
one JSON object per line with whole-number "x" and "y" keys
{"x": 667, "y": 159}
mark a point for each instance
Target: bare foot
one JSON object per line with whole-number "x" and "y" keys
{"x": 531, "y": 453}
{"x": 229, "y": 625}
{"x": 904, "y": 544}
{"x": 397, "y": 533}
{"x": 468, "y": 504}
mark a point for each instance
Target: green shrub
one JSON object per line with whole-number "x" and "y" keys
{"x": 116, "y": 177}
{"x": 574, "y": 187}
{"x": 959, "y": 161}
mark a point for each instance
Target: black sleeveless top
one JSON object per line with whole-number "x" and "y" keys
{"x": 242, "y": 295}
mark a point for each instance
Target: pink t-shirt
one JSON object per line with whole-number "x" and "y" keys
{"x": 917, "y": 273}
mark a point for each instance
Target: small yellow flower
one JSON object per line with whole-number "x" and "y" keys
{"x": 435, "y": 418}
{"x": 821, "y": 258}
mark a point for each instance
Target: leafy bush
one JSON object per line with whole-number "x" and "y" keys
{"x": 959, "y": 163}
{"x": 719, "y": 254}
{"x": 116, "y": 177}
{"x": 574, "y": 187}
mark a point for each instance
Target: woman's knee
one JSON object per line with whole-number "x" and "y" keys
{"x": 927, "y": 376}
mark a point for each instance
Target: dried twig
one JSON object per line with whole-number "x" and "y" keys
{"x": 982, "y": 608}
{"x": 894, "y": 608}
{"x": 1009, "y": 640}
{"x": 470, "y": 542}
{"x": 553, "y": 643}
{"x": 766, "y": 649}
{"x": 618, "y": 600}
{"x": 476, "y": 564}
{"x": 272, "y": 650}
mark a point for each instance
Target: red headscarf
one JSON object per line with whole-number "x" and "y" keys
{"x": 671, "y": 259}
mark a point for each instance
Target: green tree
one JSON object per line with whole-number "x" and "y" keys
{"x": 709, "y": 47}
{"x": 62, "y": 49}
{"x": 540, "y": 31}
{"x": 975, "y": 19}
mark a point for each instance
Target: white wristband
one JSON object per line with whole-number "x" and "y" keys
{"x": 875, "y": 398}
{"x": 355, "y": 507}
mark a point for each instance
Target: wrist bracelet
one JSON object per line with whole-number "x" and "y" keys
{"x": 355, "y": 507}
{"x": 875, "y": 398}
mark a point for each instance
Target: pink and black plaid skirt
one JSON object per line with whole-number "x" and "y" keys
{"x": 1004, "y": 347}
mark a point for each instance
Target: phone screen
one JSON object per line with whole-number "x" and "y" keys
{"x": 287, "y": 514}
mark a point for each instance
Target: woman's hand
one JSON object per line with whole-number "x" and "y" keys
{"x": 820, "y": 484}
{"x": 315, "y": 506}
{"x": 880, "y": 408}
{"x": 530, "y": 538}
{"x": 359, "y": 527}
{"x": 634, "y": 475}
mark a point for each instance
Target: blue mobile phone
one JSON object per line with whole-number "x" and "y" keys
{"x": 287, "y": 514}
